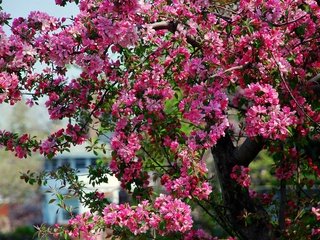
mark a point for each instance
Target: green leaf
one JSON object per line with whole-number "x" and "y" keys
{"x": 300, "y": 31}
{"x": 229, "y": 28}
{"x": 60, "y": 196}
{"x": 257, "y": 43}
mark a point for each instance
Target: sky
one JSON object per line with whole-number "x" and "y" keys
{"x": 22, "y": 8}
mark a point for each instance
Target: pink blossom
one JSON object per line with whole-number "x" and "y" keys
{"x": 316, "y": 212}
{"x": 82, "y": 225}
{"x": 175, "y": 214}
{"x": 286, "y": 171}
{"x": 48, "y": 146}
{"x": 241, "y": 175}
{"x": 4, "y": 17}
{"x": 315, "y": 231}
{"x": 20, "y": 152}
{"x": 199, "y": 234}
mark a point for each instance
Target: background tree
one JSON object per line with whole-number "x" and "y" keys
{"x": 167, "y": 78}
{"x": 18, "y": 119}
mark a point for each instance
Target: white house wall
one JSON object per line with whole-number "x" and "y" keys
{"x": 52, "y": 214}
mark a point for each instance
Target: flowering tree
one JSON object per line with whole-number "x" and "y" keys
{"x": 167, "y": 77}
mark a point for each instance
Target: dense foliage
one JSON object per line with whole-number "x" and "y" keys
{"x": 174, "y": 79}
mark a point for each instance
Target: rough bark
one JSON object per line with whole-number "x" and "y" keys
{"x": 248, "y": 151}
{"x": 248, "y": 219}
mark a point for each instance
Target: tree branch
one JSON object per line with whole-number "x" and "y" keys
{"x": 227, "y": 70}
{"x": 173, "y": 27}
{"x": 283, "y": 202}
{"x": 247, "y": 152}
{"x": 239, "y": 205}
{"x": 315, "y": 79}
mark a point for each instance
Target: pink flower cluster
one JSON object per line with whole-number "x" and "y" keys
{"x": 62, "y": 139}
{"x": 286, "y": 171}
{"x": 126, "y": 146}
{"x": 266, "y": 118}
{"x": 265, "y": 198}
{"x": 20, "y": 145}
{"x": 205, "y": 105}
{"x": 9, "y": 87}
{"x": 62, "y": 2}
{"x": 315, "y": 231}
{"x": 130, "y": 173}
{"x": 199, "y": 234}
{"x": 241, "y": 175}
{"x": 71, "y": 97}
{"x": 187, "y": 186}
{"x": 191, "y": 181}
{"x": 174, "y": 213}
{"x": 138, "y": 220}
{"x": 4, "y": 17}
{"x": 125, "y": 164}
{"x": 170, "y": 213}
{"x": 82, "y": 226}
{"x": 316, "y": 212}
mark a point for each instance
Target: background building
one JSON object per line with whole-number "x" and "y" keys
{"x": 78, "y": 158}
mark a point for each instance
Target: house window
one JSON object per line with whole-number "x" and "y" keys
{"x": 47, "y": 165}
{"x": 54, "y": 163}
{"x": 123, "y": 196}
{"x": 81, "y": 163}
{"x": 93, "y": 161}
{"x": 65, "y": 161}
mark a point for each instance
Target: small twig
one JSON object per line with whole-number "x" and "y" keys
{"x": 155, "y": 161}
{"x": 304, "y": 41}
{"x": 315, "y": 79}
{"x": 217, "y": 218}
{"x": 293, "y": 97}
{"x": 226, "y": 9}
{"x": 28, "y": 93}
{"x": 284, "y": 23}
{"x": 96, "y": 108}
{"x": 305, "y": 193}
{"x": 227, "y": 70}
{"x": 173, "y": 27}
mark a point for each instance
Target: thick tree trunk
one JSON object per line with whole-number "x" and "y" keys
{"x": 248, "y": 219}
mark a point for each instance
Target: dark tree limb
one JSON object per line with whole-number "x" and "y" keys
{"x": 283, "y": 202}
{"x": 248, "y": 150}
{"x": 172, "y": 27}
{"x": 249, "y": 220}
{"x": 315, "y": 79}
{"x": 314, "y": 85}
